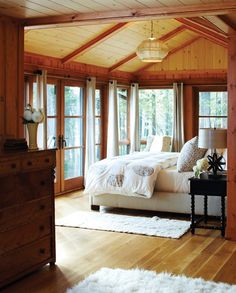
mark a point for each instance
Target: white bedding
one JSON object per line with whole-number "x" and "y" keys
{"x": 170, "y": 180}
{"x": 133, "y": 175}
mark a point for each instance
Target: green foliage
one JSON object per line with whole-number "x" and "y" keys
{"x": 155, "y": 112}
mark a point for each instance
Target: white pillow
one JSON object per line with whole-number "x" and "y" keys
{"x": 156, "y": 145}
{"x": 161, "y": 144}
{"x": 189, "y": 155}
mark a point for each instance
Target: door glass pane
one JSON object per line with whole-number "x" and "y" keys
{"x": 73, "y": 163}
{"x": 51, "y": 132}
{"x": 73, "y": 101}
{"x": 51, "y": 100}
{"x": 97, "y": 130}
{"x": 97, "y": 102}
{"x": 73, "y": 132}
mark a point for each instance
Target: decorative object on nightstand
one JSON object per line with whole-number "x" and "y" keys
{"x": 208, "y": 186}
{"x": 213, "y": 138}
{"x": 201, "y": 166}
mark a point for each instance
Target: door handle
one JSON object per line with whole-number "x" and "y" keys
{"x": 63, "y": 142}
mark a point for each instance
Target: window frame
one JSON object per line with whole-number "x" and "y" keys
{"x": 125, "y": 142}
{"x": 197, "y": 90}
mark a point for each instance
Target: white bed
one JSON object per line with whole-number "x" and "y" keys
{"x": 170, "y": 195}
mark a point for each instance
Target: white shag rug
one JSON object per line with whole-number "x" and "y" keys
{"x": 129, "y": 224}
{"x": 141, "y": 281}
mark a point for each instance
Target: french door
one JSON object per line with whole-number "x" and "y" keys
{"x": 65, "y": 131}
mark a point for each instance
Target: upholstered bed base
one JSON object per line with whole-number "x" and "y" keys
{"x": 160, "y": 201}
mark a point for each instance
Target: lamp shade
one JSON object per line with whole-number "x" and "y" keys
{"x": 152, "y": 50}
{"x": 212, "y": 138}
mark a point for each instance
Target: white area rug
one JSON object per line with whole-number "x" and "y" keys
{"x": 140, "y": 281}
{"x": 129, "y": 224}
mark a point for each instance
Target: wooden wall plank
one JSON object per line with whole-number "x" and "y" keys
{"x": 11, "y": 79}
{"x": 231, "y": 139}
{"x": 2, "y": 83}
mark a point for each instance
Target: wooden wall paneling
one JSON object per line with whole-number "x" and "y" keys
{"x": 188, "y": 112}
{"x": 231, "y": 139}
{"x": 20, "y": 80}
{"x": 11, "y": 79}
{"x": 2, "y": 83}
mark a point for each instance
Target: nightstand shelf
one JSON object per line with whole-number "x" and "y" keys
{"x": 206, "y": 186}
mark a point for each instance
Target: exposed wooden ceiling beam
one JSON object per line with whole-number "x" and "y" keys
{"x": 206, "y": 23}
{"x": 182, "y": 46}
{"x": 163, "y": 38}
{"x": 172, "y": 33}
{"x": 93, "y": 42}
{"x": 135, "y": 14}
{"x": 203, "y": 31}
{"x": 227, "y": 21}
{"x": 123, "y": 61}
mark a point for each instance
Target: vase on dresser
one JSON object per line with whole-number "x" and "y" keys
{"x": 32, "y": 131}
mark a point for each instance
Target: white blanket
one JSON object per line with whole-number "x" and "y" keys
{"x": 133, "y": 175}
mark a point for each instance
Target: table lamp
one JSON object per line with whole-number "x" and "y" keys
{"x": 213, "y": 138}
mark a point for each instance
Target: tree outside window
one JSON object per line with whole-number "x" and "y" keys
{"x": 213, "y": 107}
{"x": 155, "y": 113}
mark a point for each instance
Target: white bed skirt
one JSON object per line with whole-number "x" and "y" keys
{"x": 160, "y": 201}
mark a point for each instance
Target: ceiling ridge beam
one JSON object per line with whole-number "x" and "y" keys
{"x": 163, "y": 38}
{"x": 135, "y": 14}
{"x": 93, "y": 42}
{"x": 182, "y": 46}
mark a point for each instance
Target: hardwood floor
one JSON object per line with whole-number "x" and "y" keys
{"x": 81, "y": 252}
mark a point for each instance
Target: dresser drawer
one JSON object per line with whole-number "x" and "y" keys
{"x": 25, "y": 187}
{"x": 25, "y": 234}
{"x": 35, "y": 184}
{"x": 18, "y": 261}
{"x": 37, "y": 162}
{"x": 12, "y": 217}
{"x": 9, "y": 167}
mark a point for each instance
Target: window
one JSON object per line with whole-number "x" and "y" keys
{"x": 98, "y": 124}
{"x": 213, "y": 109}
{"x": 156, "y": 108}
{"x": 123, "y": 120}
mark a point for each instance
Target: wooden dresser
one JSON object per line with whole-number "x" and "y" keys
{"x": 27, "y": 230}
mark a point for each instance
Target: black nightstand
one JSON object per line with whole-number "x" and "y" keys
{"x": 207, "y": 186}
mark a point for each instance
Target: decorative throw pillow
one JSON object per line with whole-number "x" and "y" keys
{"x": 189, "y": 155}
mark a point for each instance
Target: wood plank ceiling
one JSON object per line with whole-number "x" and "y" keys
{"x": 107, "y": 32}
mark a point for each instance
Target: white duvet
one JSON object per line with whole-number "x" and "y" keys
{"x": 133, "y": 175}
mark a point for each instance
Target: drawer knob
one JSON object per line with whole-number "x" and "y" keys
{"x": 42, "y": 207}
{"x": 41, "y": 228}
{"x": 47, "y": 160}
{"x": 13, "y": 166}
{"x": 29, "y": 163}
{"x": 42, "y": 182}
{"x": 41, "y": 250}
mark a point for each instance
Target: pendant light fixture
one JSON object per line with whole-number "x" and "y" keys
{"x": 152, "y": 49}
